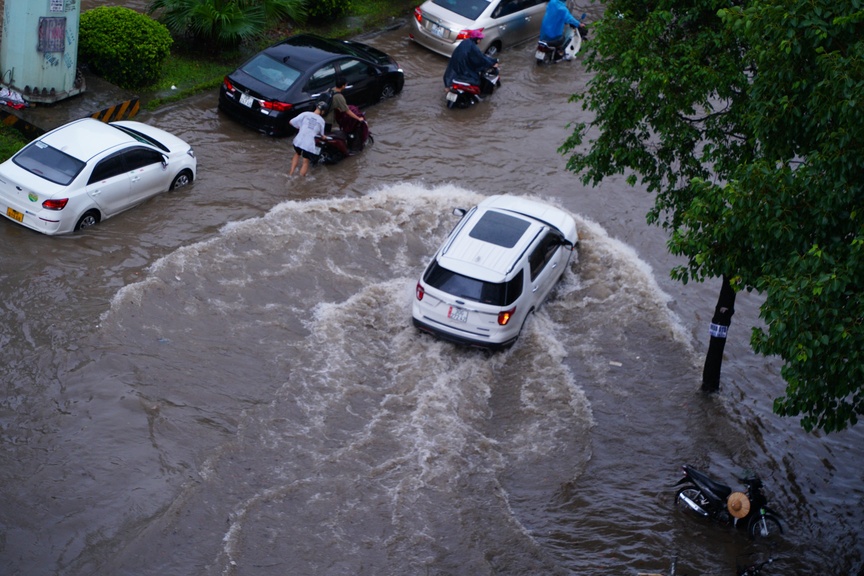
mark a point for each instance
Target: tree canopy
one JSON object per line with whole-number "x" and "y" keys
{"x": 745, "y": 119}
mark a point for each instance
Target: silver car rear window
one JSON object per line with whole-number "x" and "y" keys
{"x": 470, "y": 9}
{"x": 50, "y": 163}
{"x": 272, "y": 72}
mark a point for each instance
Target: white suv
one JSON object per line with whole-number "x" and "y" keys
{"x": 497, "y": 265}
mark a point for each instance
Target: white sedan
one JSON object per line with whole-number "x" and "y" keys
{"x": 86, "y": 171}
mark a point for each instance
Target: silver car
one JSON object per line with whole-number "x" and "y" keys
{"x": 441, "y": 24}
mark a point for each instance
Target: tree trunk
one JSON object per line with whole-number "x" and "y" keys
{"x": 719, "y": 327}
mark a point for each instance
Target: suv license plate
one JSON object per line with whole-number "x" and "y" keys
{"x": 458, "y": 314}
{"x": 14, "y": 214}
{"x": 246, "y": 100}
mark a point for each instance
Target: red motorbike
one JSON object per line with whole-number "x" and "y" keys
{"x": 351, "y": 137}
{"x": 462, "y": 94}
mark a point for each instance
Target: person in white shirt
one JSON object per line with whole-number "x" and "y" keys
{"x": 308, "y": 125}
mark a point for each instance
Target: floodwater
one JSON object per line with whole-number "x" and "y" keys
{"x": 225, "y": 380}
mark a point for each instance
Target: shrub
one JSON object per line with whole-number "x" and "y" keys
{"x": 123, "y": 46}
{"x": 320, "y": 10}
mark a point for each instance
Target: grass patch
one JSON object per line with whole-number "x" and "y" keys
{"x": 184, "y": 75}
{"x": 11, "y": 141}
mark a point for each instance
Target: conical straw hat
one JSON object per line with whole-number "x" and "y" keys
{"x": 738, "y": 504}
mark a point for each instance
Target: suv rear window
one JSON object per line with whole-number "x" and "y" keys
{"x": 499, "y": 229}
{"x": 496, "y": 294}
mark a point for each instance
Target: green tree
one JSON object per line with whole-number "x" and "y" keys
{"x": 215, "y": 23}
{"x": 744, "y": 119}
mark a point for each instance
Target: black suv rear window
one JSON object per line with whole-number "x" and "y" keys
{"x": 499, "y": 229}
{"x": 497, "y": 294}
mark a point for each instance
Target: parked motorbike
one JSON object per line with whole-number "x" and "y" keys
{"x": 711, "y": 499}
{"x": 548, "y": 54}
{"x": 463, "y": 94}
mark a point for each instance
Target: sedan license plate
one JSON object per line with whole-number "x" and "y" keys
{"x": 246, "y": 100}
{"x": 458, "y": 314}
{"x": 14, "y": 214}
{"x": 437, "y": 30}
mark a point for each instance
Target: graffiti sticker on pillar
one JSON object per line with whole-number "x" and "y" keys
{"x": 52, "y": 35}
{"x": 718, "y": 330}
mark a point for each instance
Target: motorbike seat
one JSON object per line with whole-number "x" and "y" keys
{"x": 711, "y": 487}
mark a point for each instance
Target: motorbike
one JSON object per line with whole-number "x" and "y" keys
{"x": 347, "y": 140}
{"x": 548, "y": 54}
{"x": 462, "y": 94}
{"x": 708, "y": 498}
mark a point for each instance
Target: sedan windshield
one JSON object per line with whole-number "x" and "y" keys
{"x": 142, "y": 137}
{"x": 272, "y": 72}
{"x": 49, "y": 163}
{"x": 470, "y": 9}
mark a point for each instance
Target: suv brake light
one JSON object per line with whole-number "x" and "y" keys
{"x": 420, "y": 292}
{"x": 505, "y": 316}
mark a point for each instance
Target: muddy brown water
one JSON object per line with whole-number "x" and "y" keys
{"x": 225, "y": 380}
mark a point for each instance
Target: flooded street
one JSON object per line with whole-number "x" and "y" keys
{"x": 225, "y": 379}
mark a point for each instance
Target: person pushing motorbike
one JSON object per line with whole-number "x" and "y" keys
{"x": 467, "y": 62}
{"x": 338, "y": 105}
{"x": 552, "y": 29}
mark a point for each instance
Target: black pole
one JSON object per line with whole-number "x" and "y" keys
{"x": 719, "y": 327}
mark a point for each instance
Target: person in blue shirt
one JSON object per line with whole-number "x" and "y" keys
{"x": 552, "y": 29}
{"x": 467, "y": 61}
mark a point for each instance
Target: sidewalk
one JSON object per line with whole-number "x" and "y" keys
{"x": 98, "y": 96}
